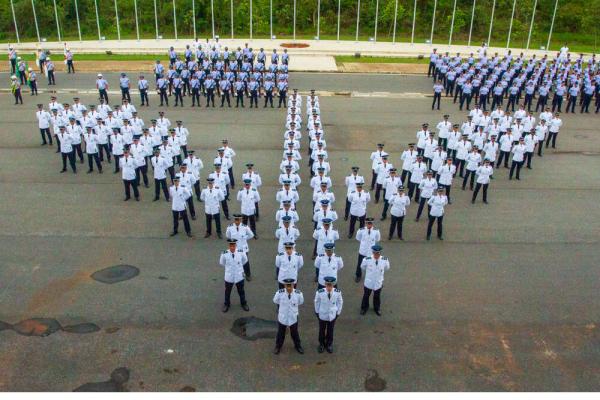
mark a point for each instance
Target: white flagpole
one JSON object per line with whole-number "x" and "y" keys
{"x": 471, "y": 27}
{"x": 55, "y": 16}
{"x": 250, "y": 19}
{"x": 77, "y": 15}
{"x": 491, "y": 23}
{"x": 194, "y": 17}
{"x": 212, "y": 16}
{"x": 117, "y": 17}
{"x": 174, "y": 20}
{"x": 452, "y": 24}
{"x": 357, "y": 19}
{"x": 338, "y": 19}
{"x": 155, "y": 20}
{"x": 294, "y": 29}
{"x": 551, "y": 26}
{"x": 12, "y": 6}
{"x": 97, "y": 19}
{"x": 376, "y": 18}
{"x": 395, "y": 20}
{"x": 531, "y": 25}
{"x": 271, "y": 19}
{"x": 37, "y": 29}
{"x": 512, "y": 16}
{"x": 433, "y": 21}
{"x": 137, "y": 29}
{"x": 412, "y": 35}
{"x": 318, "y": 19}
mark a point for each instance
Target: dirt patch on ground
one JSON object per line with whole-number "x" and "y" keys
{"x": 385, "y": 68}
{"x": 97, "y": 66}
{"x": 295, "y": 45}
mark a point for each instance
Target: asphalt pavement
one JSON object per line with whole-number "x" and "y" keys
{"x": 508, "y": 301}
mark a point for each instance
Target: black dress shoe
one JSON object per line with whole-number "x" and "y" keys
{"x": 389, "y": 238}
{"x": 193, "y": 217}
{"x": 329, "y": 349}
{"x": 62, "y": 171}
{"x": 173, "y": 234}
{"x": 219, "y": 236}
{"x": 441, "y": 238}
{"x": 206, "y": 235}
{"x": 277, "y": 350}
{"x": 378, "y": 312}
{"x": 357, "y": 279}
{"x": 299, "y": 349}
{"x": 248, "y": 278}
{"x": 321, "y": 349}
{"x": 189, "y": 234}
{"x": 245, "y": 307}
{"x": 363, "y": 311}
{"x": 155, "y": 199}
{"x": 126, "y": 198}
{"x": 225, "y": 308}
{"x": 428, "y": 237}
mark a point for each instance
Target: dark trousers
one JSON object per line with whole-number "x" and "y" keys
{"x": 557, "y": 103}
{"x": 190, "y": 203}
{"x": 231, "y": 177}
{"x": 91, "y": 158}
{"x": 117, "y": 157}
{"x": 210, "y": 97}
{"x": 225, "y": 97}
{"x": 405, "y": 174}
{"x": 431, "y": 69}
{"x": 476, "y": 191}
{"x": 358, "y": 272}
{"x": 71, "y": 157}
{"x": 163, "y": 97}
{"x": 376, "y": 299}
{"x": 240, "y": 289}
{"x": 77, "y": 148}
{"x": 253, "y": 98}
{"x": 347, "y": 209}
{"x": 209, "y": 219}
{"x": 34, "y": 88}
{"x": 70, "y": 67}
{"x": 353, "y": 219}
{"x": 133, "y": 183}
{"x": 252, "y": 220}
{"x": 447, "y": 187}
{"x": 460, "y": 166}
{"x": 225, "y": 208}
{"x": 528, "y": 158}
{"x": 378, "y": 188}
{"x": 469, "y": 174}
{"x": 396, "y": 224}
{"x": 422, "y": 202}
{"x": 282, "y": 98}
{"x": 571, "y": 103}
{"x": 143, "y": 171}
{"x": 503, "y": 155}
{"x": 125, "y": 94}
{"x": 186, "y": 221}
{"x": 551, "y": 138}
{"x": 281, "y": 329}
{"x": 195, "y": 97}
{"x": 386, "y": 206}
{"x": 239, "y": 98}
{"x": 373, "y": 179}
{"x": 158, "y": 183}
{"x": 51, "y": 80}
{"x": 269, "y": 98}
{"x": 483, "y": 101}
{"x": 46, "y": 132}
{"x": 103, "y": 148}
{"x": 515, "y": 165}
{"x": 103, "y": 95}
{"x": 326, "y": 332}
{"x": 144, "y": 97}
{"x": 436, "y": 97}
{"x": 439, "y": 225}
{"x": 414, "y": 188}
{"x": 528, "y": 101}
{"x": 541, "y": 103}
{"x": 178, "y": 97}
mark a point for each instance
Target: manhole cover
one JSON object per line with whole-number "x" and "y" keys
{"x": 252, "y": 328}
{"x": 295, "y": 45}
{"x": 117, "y": 273}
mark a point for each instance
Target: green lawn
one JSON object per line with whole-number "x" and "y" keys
{"x": 101, "y": 57}
{"x": 372, "y": 60}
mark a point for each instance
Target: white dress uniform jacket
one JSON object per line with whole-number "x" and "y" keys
{"x": 288, "y": 265}
{"x": 328, "y": 305}
{"x": 234, "y": 265}
{"x": 437, "y": 203}
{"x": 248, "y": 199}
{"x": 212, "y": 199}
{"x": 328, "y": 266}
{"x": 288, "y": 306}
{"x": 240, "y": 232}
{"x": 290, "y": 234}
{"x": 179, "y": 195}
{"x": 398, "y": 205}
{"x": 128, "y": 166}
{"x": 367, "y": 238}
{"x": 323, "y": 236}
{"x": 374, "y": 271}
{"x": 358, "y": 203}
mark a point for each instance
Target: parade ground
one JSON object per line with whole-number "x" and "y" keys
{"x": 507, "y": 302}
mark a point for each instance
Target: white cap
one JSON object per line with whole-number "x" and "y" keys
{"x": 13, "y": 77}
{"x": 30, "y": 69}
{"x": 99, "y": 74}
{"x": 18, "y": 58}
{"x": 47, "y": 58}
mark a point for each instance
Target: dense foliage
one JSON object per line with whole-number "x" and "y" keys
{"x": 576, "y": 20}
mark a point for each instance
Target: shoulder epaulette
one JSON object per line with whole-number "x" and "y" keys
{"x": 367, "y": 258}
{"x": 240, "y": 251}
{"x": 280, "y": 254}
{"x": 231, "y": 224}
{"x": 321, "y": 290}
{"x": 297, "y": 291}
{"x": 338, "y": 290}
{"x": 224, "y": 252}
{"x": 321, "y": 255}
{"x": 385, "y": 258}
{"x": 281, "y": 290}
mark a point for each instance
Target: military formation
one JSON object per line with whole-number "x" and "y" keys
{"x": 510, "y": 81}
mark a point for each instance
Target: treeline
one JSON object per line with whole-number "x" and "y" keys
{"x": 576, "y": 20}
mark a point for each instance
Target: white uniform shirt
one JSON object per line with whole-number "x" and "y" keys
{"x": 374, "y": 271}
{"x": 328, "y": 266}
{"x": 43, "y": 118}
{"x": 179, "y": 195}
{"x": 128, "y": 166}
{"x": 284, "y": 235}
{"x": 418, "y": 170}
{"x": 159, "y": 165}
{"x": 408, "y": 158}
{"x": 367, "y": 238}
{"x": 358, "y": 203}
{"x": 328, "y": 305}
{"x": 427, "y": 187}
{"x": 320, "y": 215}
{"x": 484, "y": 173}
{"x": 351, "y": 182}
{"x": 248, "y": 199}
{"x": 288, "y": 265}
{"x": 234, "y": 265}
{"x": 518, "y": 152}
{"x": 287, "y": 312}
{"x": 240, "y": 232}
{"x": 324, "y": 236}
{"x": 398, "y": 204}
{"x": 446, "y": 173}
{"x": 437, "y": 203}
{"x": 212, "y": 199}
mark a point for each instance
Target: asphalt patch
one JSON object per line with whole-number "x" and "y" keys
{"x": 43, "y": 327}
{"x": 252, "y": 328}
{"x": 116, "y": 383}
{"x": 374, "y": 383}
{"x": 116, "y": 273}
